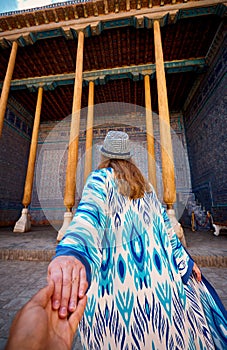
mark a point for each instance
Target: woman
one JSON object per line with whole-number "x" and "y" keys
{"x": 144, "y": 290}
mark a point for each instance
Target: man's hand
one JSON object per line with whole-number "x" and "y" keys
{"x": 37, "y": 326}
{"x": 70, "y": 283}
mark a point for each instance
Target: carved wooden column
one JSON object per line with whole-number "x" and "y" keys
{"x": 89, "y": 132}
{"x": 70, "y": 185}
{"x": 6, "y": 84}
{"x": 168, "y": 175}
{"x": 24, "y": 223}
{"x": 150, "y": 134}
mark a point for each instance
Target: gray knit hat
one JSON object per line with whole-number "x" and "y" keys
{"x": 116, "y": 145}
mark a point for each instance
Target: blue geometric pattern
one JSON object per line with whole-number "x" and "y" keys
{"x": 142, "y": 293}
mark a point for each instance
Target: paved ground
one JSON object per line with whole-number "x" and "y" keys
{"x": 25, "y": 258}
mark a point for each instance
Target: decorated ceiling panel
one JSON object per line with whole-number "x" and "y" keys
{"x": 57, "y": 104}
{"x": 113, "y": 48}
{"x": 113, "y": 45}
{"x": 189, "y": 38}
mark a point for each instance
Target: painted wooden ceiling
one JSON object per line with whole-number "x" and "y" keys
{"x": 123, "y": 46}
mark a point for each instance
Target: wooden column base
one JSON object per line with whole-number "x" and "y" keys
{"x": 67, "y": 219}
{"x": 177, "y": 226}
{"x": 24, "y": 223}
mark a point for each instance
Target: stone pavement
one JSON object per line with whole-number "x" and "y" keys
{"x": 25, "y": 257}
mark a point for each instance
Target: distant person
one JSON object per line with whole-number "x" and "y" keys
{"x": 144, "y": 290}
{"x": 38, "y": 327}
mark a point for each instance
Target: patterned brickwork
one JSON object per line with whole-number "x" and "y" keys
{"x": 48, "y": 191}
{"x": 49, "y": 183}
{"x": 14, "y": 145}
{"x": 206, "y": 125}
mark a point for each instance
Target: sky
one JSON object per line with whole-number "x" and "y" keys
{"x": 16, "y": 5}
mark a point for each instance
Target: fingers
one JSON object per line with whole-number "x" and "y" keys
{"x": 60, "y": 271}
{"x": 66, "y": 291}
{"x": 83, "y": 286}
{"x": 76, "y": 316}
{"x": 55, "y": 275}
{"x": 197, "y": 273}
{"x": 74, "y": 291}
{"x": 199, "y": 276}
{"x": 69, "y": 276}
{"x": 79, "y": 287}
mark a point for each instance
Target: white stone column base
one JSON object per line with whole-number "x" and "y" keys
{"x": 218, "y": 228}
{"x": 24, "y": 223}
{"x": 67, "y": 219}
{"x": 177, "y": 226}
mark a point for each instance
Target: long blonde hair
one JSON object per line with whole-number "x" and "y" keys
{"x": 131, "y": 182}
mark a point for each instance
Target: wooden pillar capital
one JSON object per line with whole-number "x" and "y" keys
{"x": 156, "y": 21}
{"x": 159, "y": 20}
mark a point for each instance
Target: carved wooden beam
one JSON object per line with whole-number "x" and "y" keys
{"x": 75, "y": 13}
{"x": 106, "y": 9}
{"x": 85, "y": 11}
{"x": 50, "y": 82}
{"x": 27, "y": 21}
{"x": 95, "y": 8}
{"x": 55, "y": 16}
{"x": 108, "y": 20}
{"x": 46, "y": 20}
{"x": 116, "y": 6}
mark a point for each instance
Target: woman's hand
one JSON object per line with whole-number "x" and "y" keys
{"x": 70, "y": 283}
{"x": 197, "y": 273}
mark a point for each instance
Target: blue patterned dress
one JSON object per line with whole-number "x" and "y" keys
{"x": 141, "y": 294}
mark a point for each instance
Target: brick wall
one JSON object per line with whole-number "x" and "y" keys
{"x": 48, "y": 191}
{"x": 206, "y": 125}
{"x": 49, "y": 182}
{"x": 14, "y": 146}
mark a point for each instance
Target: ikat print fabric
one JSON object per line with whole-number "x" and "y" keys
{"x": 142, "y": 292}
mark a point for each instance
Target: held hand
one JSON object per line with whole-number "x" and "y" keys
{"x": 197, "y": 273}
{"x": 70, "y": 283}
{"x": 37, "y": 326}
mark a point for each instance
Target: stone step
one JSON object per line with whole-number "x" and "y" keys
{"x": 206, "y": 249}
{"x": 26, "y": 254}
{"x": 46, "y": 255}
